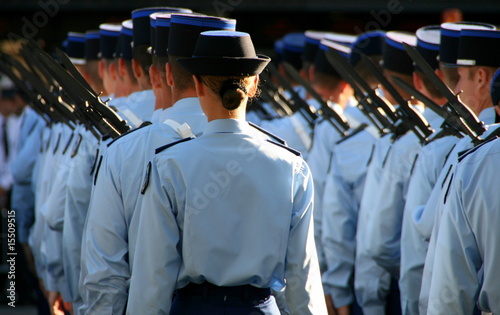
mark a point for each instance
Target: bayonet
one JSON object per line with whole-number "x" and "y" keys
{"x": 381, "y": 112}
{"x": 326, "y": 110}
{"x": 418, "y": 124}
{"x": 296, "y": 102}
{"x": 454, "y": 101}
{"x": 104, "y": 119}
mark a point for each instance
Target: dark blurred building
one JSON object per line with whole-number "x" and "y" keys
{"x": 265, "y": 20}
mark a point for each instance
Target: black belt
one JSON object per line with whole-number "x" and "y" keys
{"x": 208, "y": 290}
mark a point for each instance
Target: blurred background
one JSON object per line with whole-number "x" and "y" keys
{"x": 48, "y": 21}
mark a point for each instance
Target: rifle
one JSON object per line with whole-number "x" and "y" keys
{"x": 296, "y": 102}
{"x": 418, "y": 124}
{"x": 97, "y": 113}
{"x": 377, "y": 109}
{"x": 454, "y": 104}
{"x": 29, "y": 96}
{"x": 335, "y": 119}
{"x": 45, "y": 98}
{"x": 453, "y": 124}
{"x": 274, "y": 97}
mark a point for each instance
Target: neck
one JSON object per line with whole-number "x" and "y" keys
{"x": 213, "y": 109}
{"x": 178, "y": 95}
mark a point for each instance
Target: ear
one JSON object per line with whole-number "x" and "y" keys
{"x": 113, "y": 71}
{"x": 483, "y": 78}
{"x": 168, "y": 72}
{"x": 86, "y": 76}
{"x": 439, "y": 73}
{"x": 200, "y": 89}
{"x": 254, "y": 87}
{"x": 154, "y": 76}
{"x": 137, "y": 69}
{"x": 122, "y": 71}
{"x": 417, "y": 82}
{"x": 312, "y": 70}
{"x": 100, "y": 68}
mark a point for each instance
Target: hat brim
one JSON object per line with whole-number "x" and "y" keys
{"x": 225, "y": 66}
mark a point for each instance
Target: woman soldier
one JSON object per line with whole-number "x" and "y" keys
{"x": 227, "y": 217}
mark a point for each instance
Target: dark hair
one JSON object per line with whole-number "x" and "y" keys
{"x": 91, "y": 66}
{"x": 431, "y": 88}
{"x": 183, "y": 79}
{"x": 140, "y": 53}
{"x": 232, "y": 90}
{"x": 450, "y": 75}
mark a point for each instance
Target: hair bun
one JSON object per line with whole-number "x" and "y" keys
{"x": 231, "y": 85}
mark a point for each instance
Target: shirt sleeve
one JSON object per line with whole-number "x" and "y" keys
{"x": 454, "y": 284}
{"x": 340, "y": 216}
{"x": 304, "y": 291}
{"x": 156, "y": 263}
{"x": 105, "y": 270}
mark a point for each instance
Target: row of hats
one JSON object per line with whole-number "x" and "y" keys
{"x": 149, "y": 28}
{"x": 178, "y": 32}
{"x": 450, "y": 43}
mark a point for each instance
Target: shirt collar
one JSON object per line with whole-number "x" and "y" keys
{"x": 227, "y": 126}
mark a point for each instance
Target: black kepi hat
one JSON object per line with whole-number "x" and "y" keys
{"x": 185, "y": 29}
{"x": 479, "y": 48}
{"x": 450, "y": 34}
{"x": 428, "y": 40}
{"x": 92, "y": 45}
{"x": 394, "y": 56}
{"x": 225, "y": 53}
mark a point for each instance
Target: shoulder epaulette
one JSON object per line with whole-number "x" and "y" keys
{"x": 144, "y": 124}
{"x": 160, "y": 149}
{"x": 297, "y": 153}
{"x": 57, "y": 143}
{"x": 270, "y": 134}
{"x": 76, "y": 146}
{"x": 97, "y": 169}
{"x": 66, "y": 147}
{"x": 92, "y": 169}
{"x": 462, "y": 155}
{"x": 356, "y": 131}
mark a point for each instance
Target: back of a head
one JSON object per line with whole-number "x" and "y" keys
{"x": 226, "y": 62}
{"x": 325, "y": 75}
{"x": 448, "y": 48}
{"x": 428, "y": 40}
{"x": 141, "y": 37}
{"x": 92, "y": 52}
{"x": 369, "y": 44}
{"x": 395, "y": 60}
{"x": 183, "y": 35}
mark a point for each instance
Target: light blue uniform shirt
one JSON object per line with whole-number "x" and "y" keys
{"x": 76, "y": 200}
{"x": 142, "y": 104}
{"x": 217, "y": 218}
{"x": 371, "y": 282}
{"x": 319, "y": 159}
{"x": 467, "y": 253}
{"x": 111, "y": 228}
{"x": 341, "y": 201}
{"x": 427, "y": 222}
{"x": 430, "y": 161}
{"x": 293, "y": 129}
{"x": 388, "y": 205}
{"x": 53, "y": 212}
{"x": 23, "y": 198}
{"x": 42, "y": 184}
